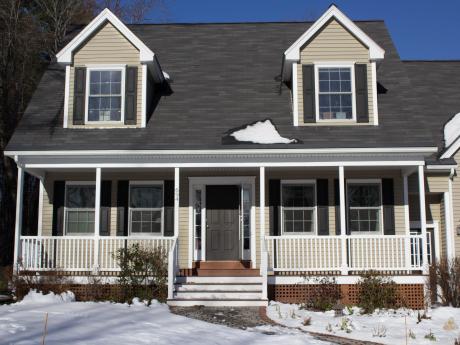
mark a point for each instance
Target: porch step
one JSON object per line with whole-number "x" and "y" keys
{"x": 219, "y": 280}
{"x": 218, "y": 291}
{"x": 223, "y": 265}
{"x": 245, "y": 272}
{"x": 218, "y": 302}
{"x": 218, "y": 287}
{"x": 216, "y": 295}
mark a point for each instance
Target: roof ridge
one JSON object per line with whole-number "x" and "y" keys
{"x": 245, "y": 22}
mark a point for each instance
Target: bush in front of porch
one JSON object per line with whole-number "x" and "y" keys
{"x": 444, "y": 282}
{"x": 143, "y": 272}
{"x": 377, "y": 292}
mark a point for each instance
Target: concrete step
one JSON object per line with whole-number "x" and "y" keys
{"x": 232, "y": 295}
{"x": 218, "y": 280}
{"x": 219, "y": 287}
{"x": 218, "y": 302}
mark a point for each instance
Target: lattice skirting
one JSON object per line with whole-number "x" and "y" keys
{"x": 410, "y": 295}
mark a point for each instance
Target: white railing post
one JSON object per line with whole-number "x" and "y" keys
{"x": 18, "y": 223}
{"x": 421, "y": 188}
{"x": 97, "y": 220}
{"x": 343, "y": 223}
{"x": 263, "y": 250}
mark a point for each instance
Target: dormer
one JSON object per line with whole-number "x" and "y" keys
{"x": 110, "y": 76}
{"x": 332, "y": 71}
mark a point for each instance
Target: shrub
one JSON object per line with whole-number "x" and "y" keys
{"x": 323, "y": 294}
{"x": 376, "y": 292}
{"x": 52, "y": 281}
{"x": 445, "y": 274}
{"x": 144, "y": 272}
{"x": 5, "y": 278}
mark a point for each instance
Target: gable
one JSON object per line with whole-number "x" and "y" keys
{"x": 333, "y": 43}
{"x": 106, "y": 45}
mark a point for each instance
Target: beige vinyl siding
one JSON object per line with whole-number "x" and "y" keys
{"x": 442, "y": 229}
{"x": 334, "y": 43}
{"x": 434, "y": 183}
{"x": 106, "y": 46}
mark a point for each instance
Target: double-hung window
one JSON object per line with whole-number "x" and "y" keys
{"x": 105, "y": 95}
{"x": 146, "y": 208}
{"x": 298, "y": 208}
{"x": 79, "y": 208}
{"x": 335, "y": 93}
{"x": 364, "y": 207}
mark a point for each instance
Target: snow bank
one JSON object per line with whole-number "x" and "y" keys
{"x": 383, "y": 326}
{"x": 261, "y": 132}
{"x": 452, "y": 130}
{"x": 34, "y": 297}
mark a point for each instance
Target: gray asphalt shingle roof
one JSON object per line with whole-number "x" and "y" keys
{"x": 227, "y": 75}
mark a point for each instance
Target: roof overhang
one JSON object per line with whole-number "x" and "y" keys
{"x": 66, "y": 54}
{"x": 292, "y": 54}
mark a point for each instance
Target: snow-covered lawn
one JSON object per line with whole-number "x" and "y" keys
{"x": 72, "y": 322}
{"x": 386, "y": 327}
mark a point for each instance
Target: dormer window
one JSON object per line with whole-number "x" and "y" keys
{"x": 105, "y": 95}
{"x": 335, "y": 93}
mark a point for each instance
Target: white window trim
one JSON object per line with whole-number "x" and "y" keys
{"x": 89, "y": 69}
{"x": 350, "y": 65}
{"x": 64, "y": 220}
{"x": 146, "y": 183}
{"x": 315, "y": 207}
{"x": 366, "y": 181}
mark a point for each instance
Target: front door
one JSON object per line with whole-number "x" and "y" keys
{"x": 222, "y": 222}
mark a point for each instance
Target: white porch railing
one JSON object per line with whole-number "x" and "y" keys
{"x": 304, "y": 253}
{"x": 78, "y": 253}
{"x": 323, "y": 253}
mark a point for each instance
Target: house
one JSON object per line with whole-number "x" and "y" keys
{"x": 256, "y": 154}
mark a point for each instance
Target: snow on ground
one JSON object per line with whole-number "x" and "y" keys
{"x": 114, "y": 323}
{"x": 363, "y": 327}
{"x": 261, "y": 132}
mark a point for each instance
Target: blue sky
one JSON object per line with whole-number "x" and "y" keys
{"x": 421, "y": 29}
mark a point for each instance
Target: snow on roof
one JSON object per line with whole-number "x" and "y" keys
{"x": 452, "y": 130}
{"x": 261, "y": 132}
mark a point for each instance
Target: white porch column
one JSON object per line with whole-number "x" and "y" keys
{"x": 343, "y": 222}
{"x": 176, "y": 201}
{"x": 97, "y": 218}
{"x": 407, "y": 244}
{"x": 40, "y": 207}
{"x": 18, "y": 223}
{"x": 262, "y": 203}
{"x": 421, "y": 188}
{"x": 449, "y": 218}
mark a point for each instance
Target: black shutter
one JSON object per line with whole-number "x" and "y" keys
{"x": 106, "y": 198}
{"x": 274, "y": 201}
{"x": 362, "y": 108}
{"x": 122, "y": 208}
{"x": 79, "y": 96}
{"x": 322, "y": 199}
{"x": 308, "y": 76}
{"x": 58, "y": 208}
{"x": 130, "y": 96}
{"x": 388, "y": 201}
{"x": 168, "y": 200}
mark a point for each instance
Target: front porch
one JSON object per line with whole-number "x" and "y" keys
{"x": 280, "y": 220}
